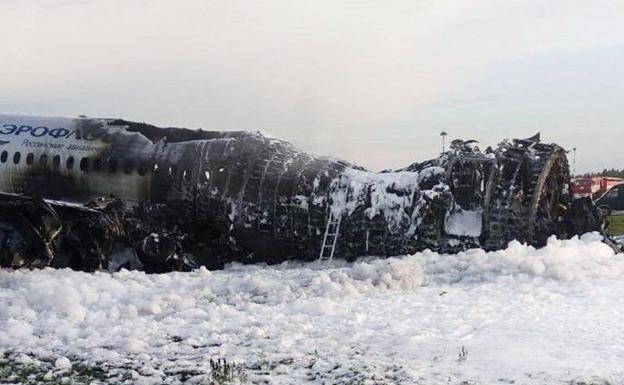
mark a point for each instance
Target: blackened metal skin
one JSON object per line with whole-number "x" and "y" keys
{"x": 224, "y": 196}
{"x": 181, "y": 198}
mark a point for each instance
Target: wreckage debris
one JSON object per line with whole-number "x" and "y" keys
{"x": 175, "y": 199}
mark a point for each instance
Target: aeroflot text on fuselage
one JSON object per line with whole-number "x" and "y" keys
{"x": 42, "y": 131}
{"x": 60, "y": 146}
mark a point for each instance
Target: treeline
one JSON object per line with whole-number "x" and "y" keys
{"x": 615, "y": 173}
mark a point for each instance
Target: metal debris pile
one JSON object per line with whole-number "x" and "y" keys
{"x": 465, "y": 199}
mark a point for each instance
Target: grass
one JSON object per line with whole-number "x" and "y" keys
{"x": 463, "y": 354}
{"x": 224, "y": 372}
{"x": 616, "y": 224}
{"x": 26, "y": 374}
{"x": 38, "y": 372}
{"x": 19, "y": 374}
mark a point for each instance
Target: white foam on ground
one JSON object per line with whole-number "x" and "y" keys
{"x": 530, "y": 316}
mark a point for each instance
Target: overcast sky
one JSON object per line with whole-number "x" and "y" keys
{"x": 369, "y": 81}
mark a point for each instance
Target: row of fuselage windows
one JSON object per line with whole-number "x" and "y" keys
{"x": 86, "y": 164}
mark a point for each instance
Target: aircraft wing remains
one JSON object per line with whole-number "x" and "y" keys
{"x": 166, "y": 199}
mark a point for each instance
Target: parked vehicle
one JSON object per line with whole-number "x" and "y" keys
{"x": 593, "y": 187}
{"x": 612, "y": 200}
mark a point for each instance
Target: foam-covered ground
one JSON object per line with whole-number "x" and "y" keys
{"x": 519, "y": 315}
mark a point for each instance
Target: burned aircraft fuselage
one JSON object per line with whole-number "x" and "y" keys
{"x": 176, "y": 197}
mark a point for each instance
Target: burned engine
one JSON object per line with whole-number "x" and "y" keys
{"x": 166, "y": 199}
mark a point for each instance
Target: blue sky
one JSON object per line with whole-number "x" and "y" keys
{"x": 369, "y": 81}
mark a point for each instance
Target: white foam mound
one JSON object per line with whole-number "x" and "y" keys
{"x": 576, "y": 259}
{"x": 531, "y": 316}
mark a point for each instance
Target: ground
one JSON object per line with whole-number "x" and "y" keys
{"x": 515, "y": 316}
{"x": 616, "y": 226}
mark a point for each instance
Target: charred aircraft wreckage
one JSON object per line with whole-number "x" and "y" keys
{"x": 108, "y": 193}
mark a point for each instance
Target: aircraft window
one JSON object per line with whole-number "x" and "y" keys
{"x": 112, "y": 165}
{"x": 84, "y": 164}
{"x": 155, "y": 168}
{"x": 56, "y": 162}
{"x": 43, "y": 160}
{"x": 30, "y": 158}
{"x": 97, "y": 164}
{"x": 207, "y": 175}
{"x": 142, "y": 169}
{"x": 16, "y": 157}
{"x": 4, "y": 156}
{"x": 184, "y": 174}
{"x": 70, "y": 163}
{"x": 129, "y": 166}
{"x": 172, "y": 170}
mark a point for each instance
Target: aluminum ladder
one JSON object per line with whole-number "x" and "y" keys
{"x": 331, "y": 237}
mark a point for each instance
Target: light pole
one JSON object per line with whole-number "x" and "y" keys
{"x": 574, "y": 161}
{"x": 443, "y": 134}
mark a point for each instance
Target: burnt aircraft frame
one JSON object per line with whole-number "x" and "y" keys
{"x": 176, "y": 199}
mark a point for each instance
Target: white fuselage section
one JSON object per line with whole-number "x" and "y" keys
{"x": 47, "y": 152}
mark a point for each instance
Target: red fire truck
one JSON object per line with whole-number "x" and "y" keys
{"x": 593, "y": 186}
